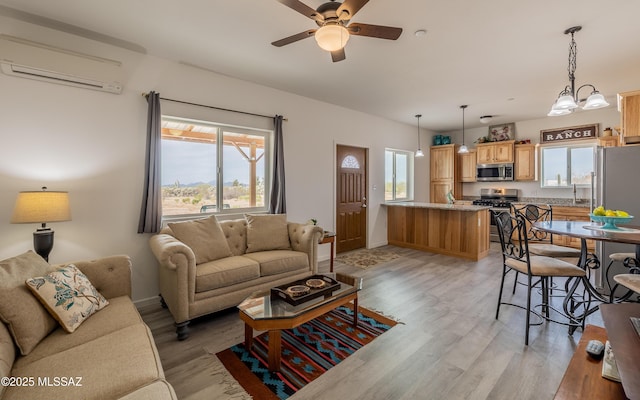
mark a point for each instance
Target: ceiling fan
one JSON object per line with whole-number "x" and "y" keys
{"x": 334, "y": 28}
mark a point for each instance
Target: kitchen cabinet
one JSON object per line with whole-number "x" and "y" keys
{"x": 608, "y": 141}
{"x": 629, "y": 107}
{"x": 525, "y": 165}
{"x": 495, "y": 152}
{"x": 443, "y": 172}
{"x": 563, "y": 213}
{"x": 468, "y": 163}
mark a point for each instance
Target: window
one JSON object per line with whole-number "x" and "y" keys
{"x": 398, "y": 167}
{"x": 564, "y": 166}
{"x": 209, "y": 167}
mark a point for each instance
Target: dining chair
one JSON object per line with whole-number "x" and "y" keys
{"x": 541, "y": 243}
{"x": 516, "y": 256}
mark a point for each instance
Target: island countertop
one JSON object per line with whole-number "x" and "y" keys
{"x": 438, "y": 206}
{"x": 460, "y": 230}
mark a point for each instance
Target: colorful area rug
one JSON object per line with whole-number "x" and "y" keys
{"x": 307, "y": 352}
{"x": 366, "y": 258}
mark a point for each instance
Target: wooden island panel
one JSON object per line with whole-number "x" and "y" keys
{"x": 461, "y": 231}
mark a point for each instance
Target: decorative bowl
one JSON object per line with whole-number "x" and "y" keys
{"x": 610, "y": 222}
{"x": 316, "y": 283}
{"x": 298, "y": 290}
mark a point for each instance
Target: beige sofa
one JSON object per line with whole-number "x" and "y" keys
{"x": 111, "y": 355}
{"x": 246, "y": 255}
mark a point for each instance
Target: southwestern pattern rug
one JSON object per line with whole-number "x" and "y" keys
{"x": 366, "y": 258}
{"x": 307, "y": 352}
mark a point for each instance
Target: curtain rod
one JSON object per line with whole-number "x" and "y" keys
{"x": 215, "y": 108}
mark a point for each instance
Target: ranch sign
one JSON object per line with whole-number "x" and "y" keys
{"x": 573, "y": 133}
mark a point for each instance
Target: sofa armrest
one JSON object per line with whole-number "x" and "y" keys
{"x": 170, "y": 252}
{"x": 305, "y": 238}
{"x": 111, "y": 276}
{"x": 176, "y": 274}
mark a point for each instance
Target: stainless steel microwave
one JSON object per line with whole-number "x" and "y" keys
{"x": 494, "y": 172}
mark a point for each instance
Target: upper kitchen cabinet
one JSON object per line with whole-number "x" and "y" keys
{"x": 443, "y": 172}
{"x": 495, "y": 152}
{"x": 468, "y": 163}
{"x": 629, "y": 107}
{"x": 525, "y": 165}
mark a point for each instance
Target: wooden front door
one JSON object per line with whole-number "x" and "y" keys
{"x": 351, "y": 197}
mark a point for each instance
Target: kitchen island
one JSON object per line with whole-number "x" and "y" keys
{"x": 451, "y": 229}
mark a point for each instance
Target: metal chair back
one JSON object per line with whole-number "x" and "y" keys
{"x": 535, "y": 213}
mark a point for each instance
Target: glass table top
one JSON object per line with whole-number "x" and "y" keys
{"x": 260, "y": 305}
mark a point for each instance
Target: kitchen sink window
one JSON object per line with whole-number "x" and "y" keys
{"x": 398, "y": 175}
{"x": 565, "y": 166}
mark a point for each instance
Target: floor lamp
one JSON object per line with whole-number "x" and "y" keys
{"x": 42, "y": 207}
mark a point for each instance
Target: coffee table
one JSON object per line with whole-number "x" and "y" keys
{"x": 260, "y": 312}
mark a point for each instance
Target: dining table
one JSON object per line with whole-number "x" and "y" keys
{"x": 585, "y": 230}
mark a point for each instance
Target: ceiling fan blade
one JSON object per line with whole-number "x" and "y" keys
{"x": 349, "y": 8}
{"x": 338, "y": 55}
{"x": 294, "y": 38}
{"x": 303, "y": 9}
{"x": 376, "y": 31}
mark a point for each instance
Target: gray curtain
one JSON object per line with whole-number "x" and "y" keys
{"x": 151, "y": 210}
{"x": 278, "y": 195}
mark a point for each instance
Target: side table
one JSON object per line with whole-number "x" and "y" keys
{"x": 329, "y": 237}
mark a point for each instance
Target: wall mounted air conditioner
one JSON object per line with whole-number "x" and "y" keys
{"x": 27, "y": 59}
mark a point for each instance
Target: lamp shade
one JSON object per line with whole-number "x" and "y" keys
{"x": 332, "y": 37}
{"x": 595, "y": 100}
{"x": 565, "y": 102}
{"x": 41, "y": 207}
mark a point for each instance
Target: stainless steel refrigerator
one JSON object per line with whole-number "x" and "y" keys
{"x": 617, "y": 187}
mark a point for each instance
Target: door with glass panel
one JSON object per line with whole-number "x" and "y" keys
{"x": 351, "y": 198}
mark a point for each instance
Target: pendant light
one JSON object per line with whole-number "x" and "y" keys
{"x": 463, "y": 149}
{"x": 419, "y": 152}
{"x": 569, "y": 99}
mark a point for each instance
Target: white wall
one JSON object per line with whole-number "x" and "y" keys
{"x": 92, "y": 144}
{"x": 605, "y": 117}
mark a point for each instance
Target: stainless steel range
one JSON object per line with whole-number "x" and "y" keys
{"x": 498, "y": 200}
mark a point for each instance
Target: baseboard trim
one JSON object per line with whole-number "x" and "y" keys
{"x": 146, "y": 302}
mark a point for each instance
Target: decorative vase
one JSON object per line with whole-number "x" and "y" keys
{"x": 606, "y": 132}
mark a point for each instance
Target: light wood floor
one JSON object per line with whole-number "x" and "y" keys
{"x": 449, "y": 345}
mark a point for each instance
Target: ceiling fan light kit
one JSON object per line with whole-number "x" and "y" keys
{"x": 332, "y": 37}
{"x": 333, "y": 19}
{"x": 568, "y": 99}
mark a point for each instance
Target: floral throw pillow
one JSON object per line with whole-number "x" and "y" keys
{"x": 68, "y": 295}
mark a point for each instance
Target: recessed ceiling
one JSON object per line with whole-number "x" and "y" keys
{"x": 501, "y": 57}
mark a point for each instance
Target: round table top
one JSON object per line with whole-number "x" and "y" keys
{"x": 589, "y": 230}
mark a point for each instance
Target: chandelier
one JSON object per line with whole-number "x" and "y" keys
{"x": 568, "y": 100}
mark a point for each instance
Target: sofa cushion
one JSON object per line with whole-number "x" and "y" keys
{"x": 28, "y": 321}
{"x": 110, "y": 366}
{"x": 204, "y": 236}
{"x": 267, "y": 232}
{"x": 278, "y": 261}
{"x": 121, "y": 313}
{"x": 225, "y": 272}
{"x": 68, "y": 295}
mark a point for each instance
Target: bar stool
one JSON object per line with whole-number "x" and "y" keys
{"x": 517, "y": 257}
{"x": 626, "y": 259}
{"x": 541, "y": 243}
